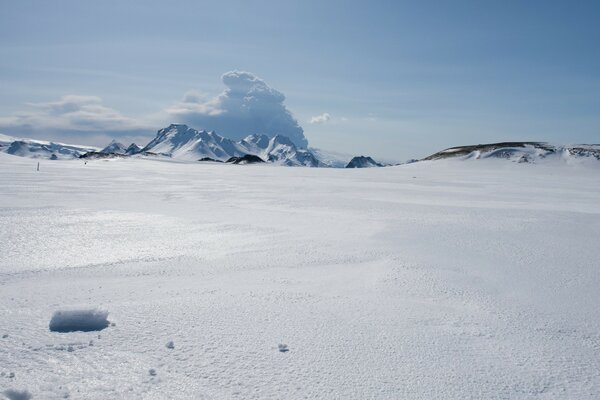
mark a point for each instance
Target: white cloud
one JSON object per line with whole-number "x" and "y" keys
{"x": 84, "y": 113}
{"x": 193, "y": 96}
{"x": 71, "y": 118}
{"x": 247, "y": 106}
{"x": 320, "y": 119}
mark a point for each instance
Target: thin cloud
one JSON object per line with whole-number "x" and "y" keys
{"x": 85, "y": 113}
{"x": 72, "y": 117}
{"x": 320, "y": 119}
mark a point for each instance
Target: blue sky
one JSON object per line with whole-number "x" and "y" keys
{"x": 391, "y": 79}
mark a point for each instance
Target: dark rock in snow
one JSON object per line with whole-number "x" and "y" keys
{"x": 203, "y": 159}
{"x": 92, "y": 155}
{"x": 247, "y": 159}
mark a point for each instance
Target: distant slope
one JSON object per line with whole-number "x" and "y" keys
{"x": 524, "y": 152}
{"x": 331, "y": 158}
{"x": 41, "y": 149}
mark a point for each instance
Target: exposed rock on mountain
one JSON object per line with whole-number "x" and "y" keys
{"x": 363, "y": 162}
{"x": 41, "y": 149}
{"x": 247, "y": 159}
{"x": 185, "y": 143}
{"x": 114, "y": 147}
{"x": 522, "y": 152}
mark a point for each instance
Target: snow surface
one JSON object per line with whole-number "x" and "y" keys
{"x": 433, "y": 280}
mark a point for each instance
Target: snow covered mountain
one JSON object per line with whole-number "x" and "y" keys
{"x": 133, "y": 149}
{"x": 363, "y": 162}
{"x": 179, "y": 141}
{"x": 331, "y": 158}
{"x": 119, "y": 148}
{"x": 41, "y": 149}
{"x": 522, "y": 152}
{"x": 114, "y": 147}
{"x": 280, "y": 150}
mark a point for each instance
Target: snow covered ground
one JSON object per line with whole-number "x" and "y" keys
{"x": 435, "y": 280}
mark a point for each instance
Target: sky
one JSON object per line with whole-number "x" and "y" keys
{"x": 390, "y": 79}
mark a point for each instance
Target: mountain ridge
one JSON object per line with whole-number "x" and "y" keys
{"x": 523, "y": 152}
{"x": 179, "y": 141}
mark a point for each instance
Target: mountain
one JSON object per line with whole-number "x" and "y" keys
{"x": 182, "y": 142}
{"x": 185, "y": 143}
{"x": 279, "y": 150}
{"x": 331, "y": 158}
{"x": 133, "y": 149}
{"x": 522, "y": 152}
{"x": 41, "y": 149}
{"x": 114, "y": 148}
{"x": 363, "y": 162}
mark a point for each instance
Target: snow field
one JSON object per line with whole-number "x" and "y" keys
{"x": 435, "y": 280}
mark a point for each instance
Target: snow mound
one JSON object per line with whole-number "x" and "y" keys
{"x": 86, "y": 320}
{"x": 12, "y": 394}
{"x": 283, "y": 348}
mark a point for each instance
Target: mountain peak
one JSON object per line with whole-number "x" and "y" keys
{"x": 279, "y": 139}
{"x": 133, "y": 149}
{"x": 177, "y": 126}
{"x": 363, "y": 162}
{"x": 114, "y": 147}
{"x": 182, "y": 142}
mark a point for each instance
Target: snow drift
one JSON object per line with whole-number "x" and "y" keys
{"x": 85, "y": 320}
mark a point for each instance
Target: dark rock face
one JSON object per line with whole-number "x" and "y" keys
{"x": 363, "y": 162}
{"x": 91, "y": 155}
{"x": 247, "y": 159}
{"x": 133, "y": 149}
{"x": 590, "y": 151}
{"x": 209, "y": 159}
